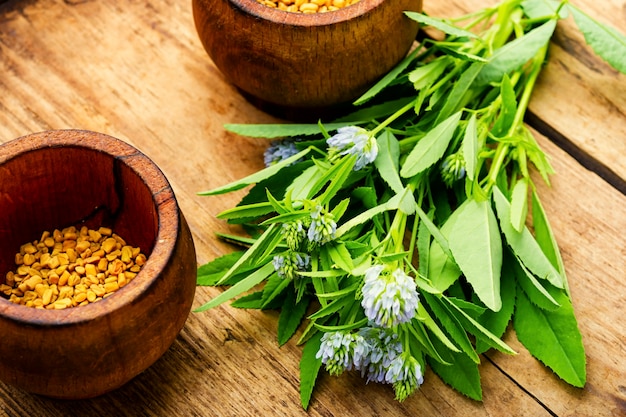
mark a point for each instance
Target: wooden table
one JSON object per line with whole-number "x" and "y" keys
{"x": 137, "y": 71}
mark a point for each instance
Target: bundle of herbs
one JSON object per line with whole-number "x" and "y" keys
{"x": 398, "y": 234}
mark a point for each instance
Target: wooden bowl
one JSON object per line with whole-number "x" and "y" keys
{"x": 297, "y": 65}
{"x": 62, "y": 178}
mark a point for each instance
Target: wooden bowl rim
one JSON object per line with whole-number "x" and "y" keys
{"x": 166, "y": 235}
{"x": 282, "y": 17}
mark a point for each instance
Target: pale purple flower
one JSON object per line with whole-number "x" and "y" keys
{"x": 278, "y": 151}
{"x": 405, "y": 373}
{"x": 354, "y": 140}
{"x": 289, "y": 264}
{"x": 323, "y": 227}
{"x": 342, "y": 351}
{"x": 389, "y": 299}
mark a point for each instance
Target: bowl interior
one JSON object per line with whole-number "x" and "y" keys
{"x": 52, "y": 187}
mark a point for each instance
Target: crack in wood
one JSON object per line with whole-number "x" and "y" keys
{"x": 576, "y": 152}
{"x": 521, "y": 387}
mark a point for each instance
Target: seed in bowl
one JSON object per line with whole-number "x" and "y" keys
{"x": 71, "y": 267}
{"x": 307, "y": 6}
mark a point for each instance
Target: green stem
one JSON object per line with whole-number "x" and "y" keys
{"x": 393, "y": 117}
{"x": 503, "y": 147}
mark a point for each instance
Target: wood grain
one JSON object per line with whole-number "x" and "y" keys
{"x": 137, "y": 71}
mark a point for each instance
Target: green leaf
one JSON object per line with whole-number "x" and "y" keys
{"x": 291, "y": 315}
{"x": 272, "y": 131}
{"x": 477, "y": 249}
{"x": 519, "y": 204}
{"x": 475, "y": 328}
{"x": 250, "y": 301}
{"x": 536, "y": 293}
{"x": 422, "y": 342}
{"x": 552, "y": 337}
{"x": 524, "y": 245}
{"x": 388, "y": 160}
{"x": 545, "y": 238}
{"x": 442, "y": 269}
{"x": 448, "y": 320}
{"x": 425, "y": 75}
{"x": 537, "y": 9}
{"x": 606, "y": 41}
{"x": 457, "y": 98}
{"x": 273, "y": 288}
{"x": 440, "y": 24}
{"x": 423, "y": 316}
{"x": 367, "y": 215}
{"x": 340, "y": 255}
{"x": 506, "y": 118}
{"x": 242, "y": 286}
{"x": 516, "y": 53}
{"x": 301, "y": 188}
{"x": 256, "y": 177}
{"x": 431, "y": 147}
{"x": 469, "y": 147}
{"x": 250, "y": 211}
{"x": 309, "y": 368}
{"x": 497, "y": 321}
{"x": 210, "y": 273}
{"x": 463, "y": 375}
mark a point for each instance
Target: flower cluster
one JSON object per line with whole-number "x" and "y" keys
{"x": 389, "y": 299}
{"x": 353, "y": 140}
{"x": 375, "y": 352}
{"x": 289, "y": 264}
{"x": 453, "y": 168}
{"x": 323, "y": 227}
{"x": 278, "y": 151}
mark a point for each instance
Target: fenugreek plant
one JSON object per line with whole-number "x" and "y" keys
{"x": 397, "y": 235}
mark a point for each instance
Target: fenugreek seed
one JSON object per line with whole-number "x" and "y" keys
{"x": 79, "y": 269}
{"x": 94, "y": 235}
{"x": 119, "y": 239}
{"x": 29, "y": 259}
{"x": 73, "y": 280}
{"x": 28, "y": 248}
{"x": 121, "y": 279}
{"x": 5, "y": 289}
{"x": 135, "y": 268}
{"x": 309, "y": 7}
{"x": 65, "y": 276}
{"x": 105, "y": 231}
{"x": 109, "y": 245}
{"x": 98, "y": 290}
{"x": 40, "y": 289}
{"x": 140, "y": 260}
{"x": 111, "y": 279}
{"x": 79, "y": 298}
{"x": 53, "y": 262}
{"x": 90, "y": 269}
{"x": 111, "y": 286}
{"x": 9, "y": 278}
{"x": 33, "y": 281}
{"x": 102, "y": 265}
{"x": 47, "y": 297}
{"x": 127, "y": 254}
{"x": 82, "y": 246}
{"x": 91, "y": 296}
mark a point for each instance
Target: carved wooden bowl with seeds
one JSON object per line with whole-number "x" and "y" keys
{"x": 297, "y": 65}
{"x": 54, "y": 179}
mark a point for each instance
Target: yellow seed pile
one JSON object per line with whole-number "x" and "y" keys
{"x": 71, "y": 267}
{"x": 307, "y": 6}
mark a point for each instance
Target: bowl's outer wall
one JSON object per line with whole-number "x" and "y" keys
{"x": 294, "y": 64}
{"x": 86, "y": 351}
